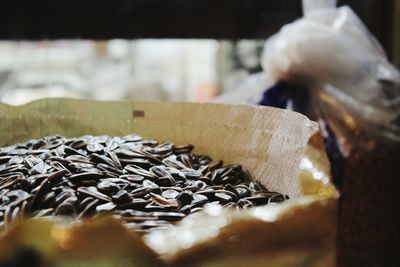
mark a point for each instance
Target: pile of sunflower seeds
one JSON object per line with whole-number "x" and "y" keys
{"x": 144, "y": 183}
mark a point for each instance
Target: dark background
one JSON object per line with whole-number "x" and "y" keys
{"x": 131, "y": 19}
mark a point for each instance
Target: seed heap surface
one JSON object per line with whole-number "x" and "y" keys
{"x": 144, "y": 183}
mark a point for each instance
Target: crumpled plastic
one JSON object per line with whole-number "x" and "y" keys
{"x": 331, "y": 52}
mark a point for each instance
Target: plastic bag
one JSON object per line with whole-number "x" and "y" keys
{"x": 331, "y": 46}
{"x": 247, "y": 92}
{"x": 328, "y": 66}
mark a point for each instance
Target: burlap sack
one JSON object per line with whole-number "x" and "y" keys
{"x": 280, "y": 148}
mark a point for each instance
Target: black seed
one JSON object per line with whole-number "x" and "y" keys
{"x": 170, "y": 193}
{"x": 121, "y": 197}
{"x": 223, "y": 197}
{"x": 65, "y": 208}
{"x": 199, "y": 200}
{"x": 165, "y": 181}
{"x": 93, "y": 192}
{"x": 232, "y": 189}
{"x": 149, "y": 184}
{"x": 95, "y": 148}
{"x": 185, "y": 198}
{"x": 108, "y": 187}
{"x": 169, "y": 216}
{"x": 186, "y": 209}
{"x": 106, "y": 207}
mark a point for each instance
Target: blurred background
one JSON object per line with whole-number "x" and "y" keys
{"x": 168, "y": 69}
{"x": 142, "y": 50}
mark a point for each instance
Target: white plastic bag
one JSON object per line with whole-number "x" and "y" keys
{"x": 331, "y": 45}
{"x": 250, "y": 91}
